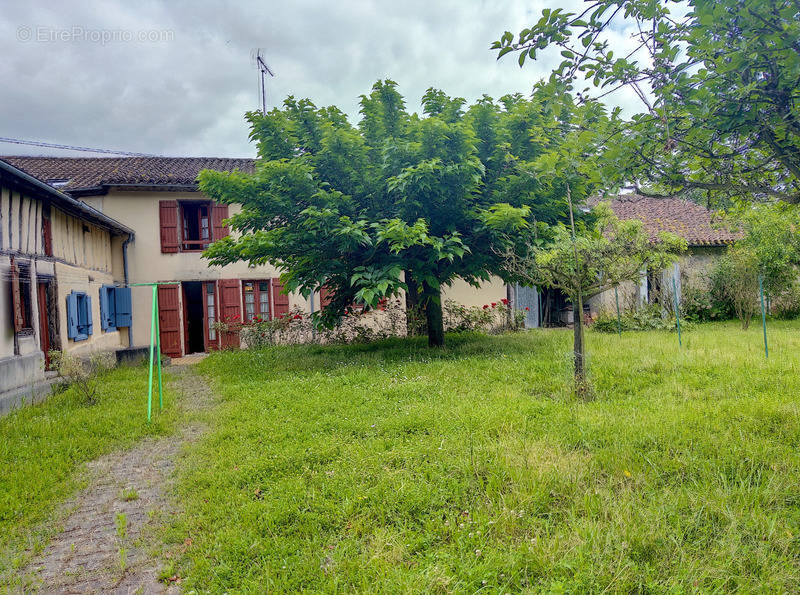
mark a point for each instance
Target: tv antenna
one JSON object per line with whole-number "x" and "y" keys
{"x": 258, "y": 59}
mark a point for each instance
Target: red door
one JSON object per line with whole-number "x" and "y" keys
{"x": 230, "y": 298}
{"x": 169, "y": 320}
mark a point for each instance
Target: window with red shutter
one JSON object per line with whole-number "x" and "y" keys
{"x": 168, "y": 219}
{"x": 280, "y": 299}
{"x": 218, "y": 214}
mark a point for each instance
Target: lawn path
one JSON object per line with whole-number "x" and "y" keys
{"x": 96, "y": 551}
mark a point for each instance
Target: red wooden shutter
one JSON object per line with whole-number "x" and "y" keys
{"x": 280, "y": 299}
{"x": 168, "y": 218}
{"x": 169, "y": 320}
{"x": 16, "y": 298}
{"x": 230, "y": 311}
{"x": 218, "y": 213}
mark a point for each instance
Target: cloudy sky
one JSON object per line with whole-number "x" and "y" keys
{"x": 175, "y": 77}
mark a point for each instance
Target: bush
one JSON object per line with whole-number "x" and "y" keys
{"x": 706, "y": 301}
{"x": 787, "y": 305}
{"x": 649, "y": 318}
{"x": 83, "y": 373}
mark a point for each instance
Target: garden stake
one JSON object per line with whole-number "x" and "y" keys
{"x": 152, "y": 342}
{"x": 155, "y": 342}
{"x": 158, "y": 349}
{"x": 677, "y": 314}
{"x": 619, "y": 324}
{"x": 763, "y": 313}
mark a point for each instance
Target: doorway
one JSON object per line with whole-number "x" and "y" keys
{"x": 48, "y": 339}
{"x": 194, "y": 317}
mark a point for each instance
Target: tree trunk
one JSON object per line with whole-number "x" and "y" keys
{"x": 412, "y": 307}
{"x": 432, "y": 300}
{"x": 579, "y": 349}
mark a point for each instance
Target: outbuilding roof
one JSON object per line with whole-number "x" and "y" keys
{"x": 689, "y": 220}
{"x": 14, "y": 177}
{"x": 82, "y": 175}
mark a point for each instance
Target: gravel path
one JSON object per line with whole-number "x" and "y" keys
{"x": 108, "y": 542}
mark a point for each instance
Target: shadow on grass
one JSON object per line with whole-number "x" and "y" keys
{"x": 312, "y": 359}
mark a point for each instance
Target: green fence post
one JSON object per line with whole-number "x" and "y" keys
{"x": 677, "y": 311}
{"x": 763, "y": 313}
{"x": 619, "y": 324}
{"x": 158, "y": 344}
{"x": 153, "y": 321}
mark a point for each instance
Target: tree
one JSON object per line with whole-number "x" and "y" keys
{"x": 770, "y": 249}
{"x": 719, "y": 81}
{"x": 588, "y": 263}
{"x": 398, "y": 202}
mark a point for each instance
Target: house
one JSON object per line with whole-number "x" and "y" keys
{"x": 693, "y": 222}
{"x": 158, "y": 198}
{"x": 62, "y": 277}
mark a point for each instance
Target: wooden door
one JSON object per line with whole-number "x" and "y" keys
{"x": 230, "y": 310}
{"x": 169, "y": 320}
{"x": 210, "y": 315}
{"x": 44, "y": 323}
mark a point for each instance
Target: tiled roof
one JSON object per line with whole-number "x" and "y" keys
{"x": 689, "y": 220}
{"x": 92, "y": 172}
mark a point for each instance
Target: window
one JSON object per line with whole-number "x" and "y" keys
{"x": 196, "y": 226}
{"x": 256, "y": 300}
{"x": 79, "y": 316}
{"x": 115, "y": 307}
{"x": 190, "y": 226}
{"x": 210, "y": 312}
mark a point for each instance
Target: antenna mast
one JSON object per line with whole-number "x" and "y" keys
{"x": 263, "y": 71}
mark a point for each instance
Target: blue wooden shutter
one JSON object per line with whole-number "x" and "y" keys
{"x": 89, "y": 323}
{"x": 72, "y": 315}
{"x": 104, "y": 321}
{"x": 122, "y": 299}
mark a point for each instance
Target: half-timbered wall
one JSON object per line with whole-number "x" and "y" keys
{"x": 82, "y": 257}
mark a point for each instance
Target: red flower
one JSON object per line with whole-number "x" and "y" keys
{"x": 486, "y": 306}
{"x": 494, "y": 304}
{"x": 505, "y": 301}
{"x": 297, "y": 316}
{"x": 527, "y": 309}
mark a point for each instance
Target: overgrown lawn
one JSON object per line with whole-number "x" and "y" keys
{"x": 393, "y": 467}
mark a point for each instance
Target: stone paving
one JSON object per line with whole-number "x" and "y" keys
{"x": 108, "y": 542}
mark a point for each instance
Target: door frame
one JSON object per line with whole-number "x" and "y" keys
{"x": 43, "y": 299}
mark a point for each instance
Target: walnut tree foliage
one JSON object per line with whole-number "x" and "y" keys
{"x": 405, "y": 201}
{"x": 718, "y": 80}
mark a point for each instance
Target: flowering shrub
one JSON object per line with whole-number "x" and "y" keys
{"x": 357, "y": 326}
{"x": 389, "y": 319}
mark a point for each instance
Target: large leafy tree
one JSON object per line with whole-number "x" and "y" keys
{"x": 719, "y": 82}
{"x": 367, "y": 211}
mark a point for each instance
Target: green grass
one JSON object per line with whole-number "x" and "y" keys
{"x": 43, "y": 449}
{"x": 395, "y": 468}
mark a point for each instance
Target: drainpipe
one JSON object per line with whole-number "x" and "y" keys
{"x": 125, "y": 279}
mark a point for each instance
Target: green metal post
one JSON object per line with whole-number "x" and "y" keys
{"x": 152, "y": 344}
{"x": 619, "y": 324}
{"x": 763, "y": 314}
{"x": 158, "y": 350}
{"x": 677, "y": 311}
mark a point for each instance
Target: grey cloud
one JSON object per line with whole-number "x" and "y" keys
{"x": 188, "y": 95}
